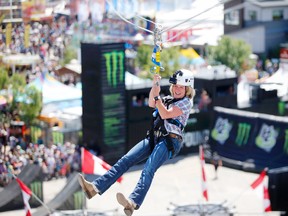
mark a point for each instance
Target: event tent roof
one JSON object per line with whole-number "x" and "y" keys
{"x": 53, "y": 90}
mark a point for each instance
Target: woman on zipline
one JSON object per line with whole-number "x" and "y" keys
{"x": 163, "y": 141}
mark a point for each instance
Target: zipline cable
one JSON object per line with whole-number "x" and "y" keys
{"x": 143, "y": 18}
{"x": 155, "y": 58}
{"x": 166, "y": 29}
{"x": 183, "y": 30}
{"x": 126, "y": 20}
{"x": 216, "y": 5}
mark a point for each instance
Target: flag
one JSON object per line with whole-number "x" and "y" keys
{"x": 259, "y": 180}
{"x": 266, "y": 198}
{"x": 264, "y": 193}
{"x": 8, "y": 34}
{"x": 92, "y": 164}
{"x": 27, "y": 36}
{"x": 26, "y": 193}
{"x": 204, "y": 186}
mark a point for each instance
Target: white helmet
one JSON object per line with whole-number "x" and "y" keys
{"x": 182, "y": 77}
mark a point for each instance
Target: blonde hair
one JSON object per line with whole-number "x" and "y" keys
{"x": 189, "y": 91}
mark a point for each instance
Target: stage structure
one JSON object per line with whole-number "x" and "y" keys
{"x": 103, "y": 99}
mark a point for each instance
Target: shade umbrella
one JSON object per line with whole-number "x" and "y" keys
{"x": 190, "y": 56}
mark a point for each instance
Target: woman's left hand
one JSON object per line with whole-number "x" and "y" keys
{"x": 156, "y": 85}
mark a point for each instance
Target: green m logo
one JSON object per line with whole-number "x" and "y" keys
{"x": 36, "y": 188}
{"x": 115, "y": 65}
{"x": 286, "y": 142}
{"x": 78, "y": 200}
{"x": 243, "y": 134}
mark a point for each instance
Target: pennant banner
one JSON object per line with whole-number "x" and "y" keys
{"x": 266, "y": 200}
{"x": 92, "y": 164}
{"x": 259, "y": 180}
{"x": 26, "y": 193}
{"x": 202, "y": 160}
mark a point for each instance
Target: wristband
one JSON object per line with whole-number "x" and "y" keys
{"x": 157, "y": 98}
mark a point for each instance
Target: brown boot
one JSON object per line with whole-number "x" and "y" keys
{"x": 128, "y": 205}
{"x": 89, "y": 189}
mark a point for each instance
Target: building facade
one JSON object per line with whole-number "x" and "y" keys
{"x": 262, "y": 24}
{"x": 10, "y": 11}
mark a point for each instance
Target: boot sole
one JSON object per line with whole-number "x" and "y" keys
{"x": 124, "y": 202}
{"x": 88, "y": 193}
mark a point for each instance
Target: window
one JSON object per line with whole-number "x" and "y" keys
{"x": 232, "y": 18}
{"x": 252, "y": 15}
{"x": 277, "y": 15}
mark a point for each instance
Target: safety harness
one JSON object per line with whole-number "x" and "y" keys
{"x": 158, "y": 129}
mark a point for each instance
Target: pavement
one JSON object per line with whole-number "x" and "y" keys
{"x": 176, "y": 186}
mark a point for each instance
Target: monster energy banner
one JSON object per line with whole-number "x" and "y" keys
{"x": 246, "y": 136}
{"x": 103, "y": 98}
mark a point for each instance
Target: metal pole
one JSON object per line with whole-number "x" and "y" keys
{"x": 42, "y": 203}
{"x": 37, "y": 198}
{"x": 11, "y": 14}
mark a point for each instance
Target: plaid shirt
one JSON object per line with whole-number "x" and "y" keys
{"x": 185, "y": 105}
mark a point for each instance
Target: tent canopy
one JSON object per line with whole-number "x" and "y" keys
{"x": 190, "y": 56}
{"x": 55, "y": 91}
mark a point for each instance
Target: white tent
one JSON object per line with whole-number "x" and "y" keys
{"x": 57, "y": 98}
{"x": 279, "y": 81}
{"x": 55, "y": 91}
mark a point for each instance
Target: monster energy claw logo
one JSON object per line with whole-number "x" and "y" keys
{"x": 113, "y": 61}
{"x": 242, "y": 134}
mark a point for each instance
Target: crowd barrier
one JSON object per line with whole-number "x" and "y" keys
{"x": 250, "y": 140}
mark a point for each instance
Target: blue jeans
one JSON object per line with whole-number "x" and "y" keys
{"x": 137, "y": 154}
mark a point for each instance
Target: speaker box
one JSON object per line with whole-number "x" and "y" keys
{"x": 278, "y": 191}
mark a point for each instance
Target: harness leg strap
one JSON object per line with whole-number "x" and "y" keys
{"x": 170, "y": 146}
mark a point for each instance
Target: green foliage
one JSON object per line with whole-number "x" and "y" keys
{"x": 169, "y": 60}
{"x": 26, "y": 101}
{"x": 69, "y": 54}
{"x": 18, "y": 80}
{"x": 3, "y": 78}
{"x": 231, "y": 52}
{"x": 30, "y": 108}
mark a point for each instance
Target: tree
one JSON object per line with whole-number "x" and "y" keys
{"x": 31, "y": 107}
{"x": 16, "y": 84}
{"x": 231, "y": 52}
{"x": 24, "y": 102}
{"x": 3, "y": 78}
{"x": 69, "y": 53}
{"x": 169, "y": 60}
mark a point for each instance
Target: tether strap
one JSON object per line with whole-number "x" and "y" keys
{"x": 169, "y": 146}
{"x": 158, "y": 123}
{"x": 176, "y": 122}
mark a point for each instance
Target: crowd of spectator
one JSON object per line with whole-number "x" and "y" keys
{"x": 56, "y": 161}
{"x": 47, "y": 40}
